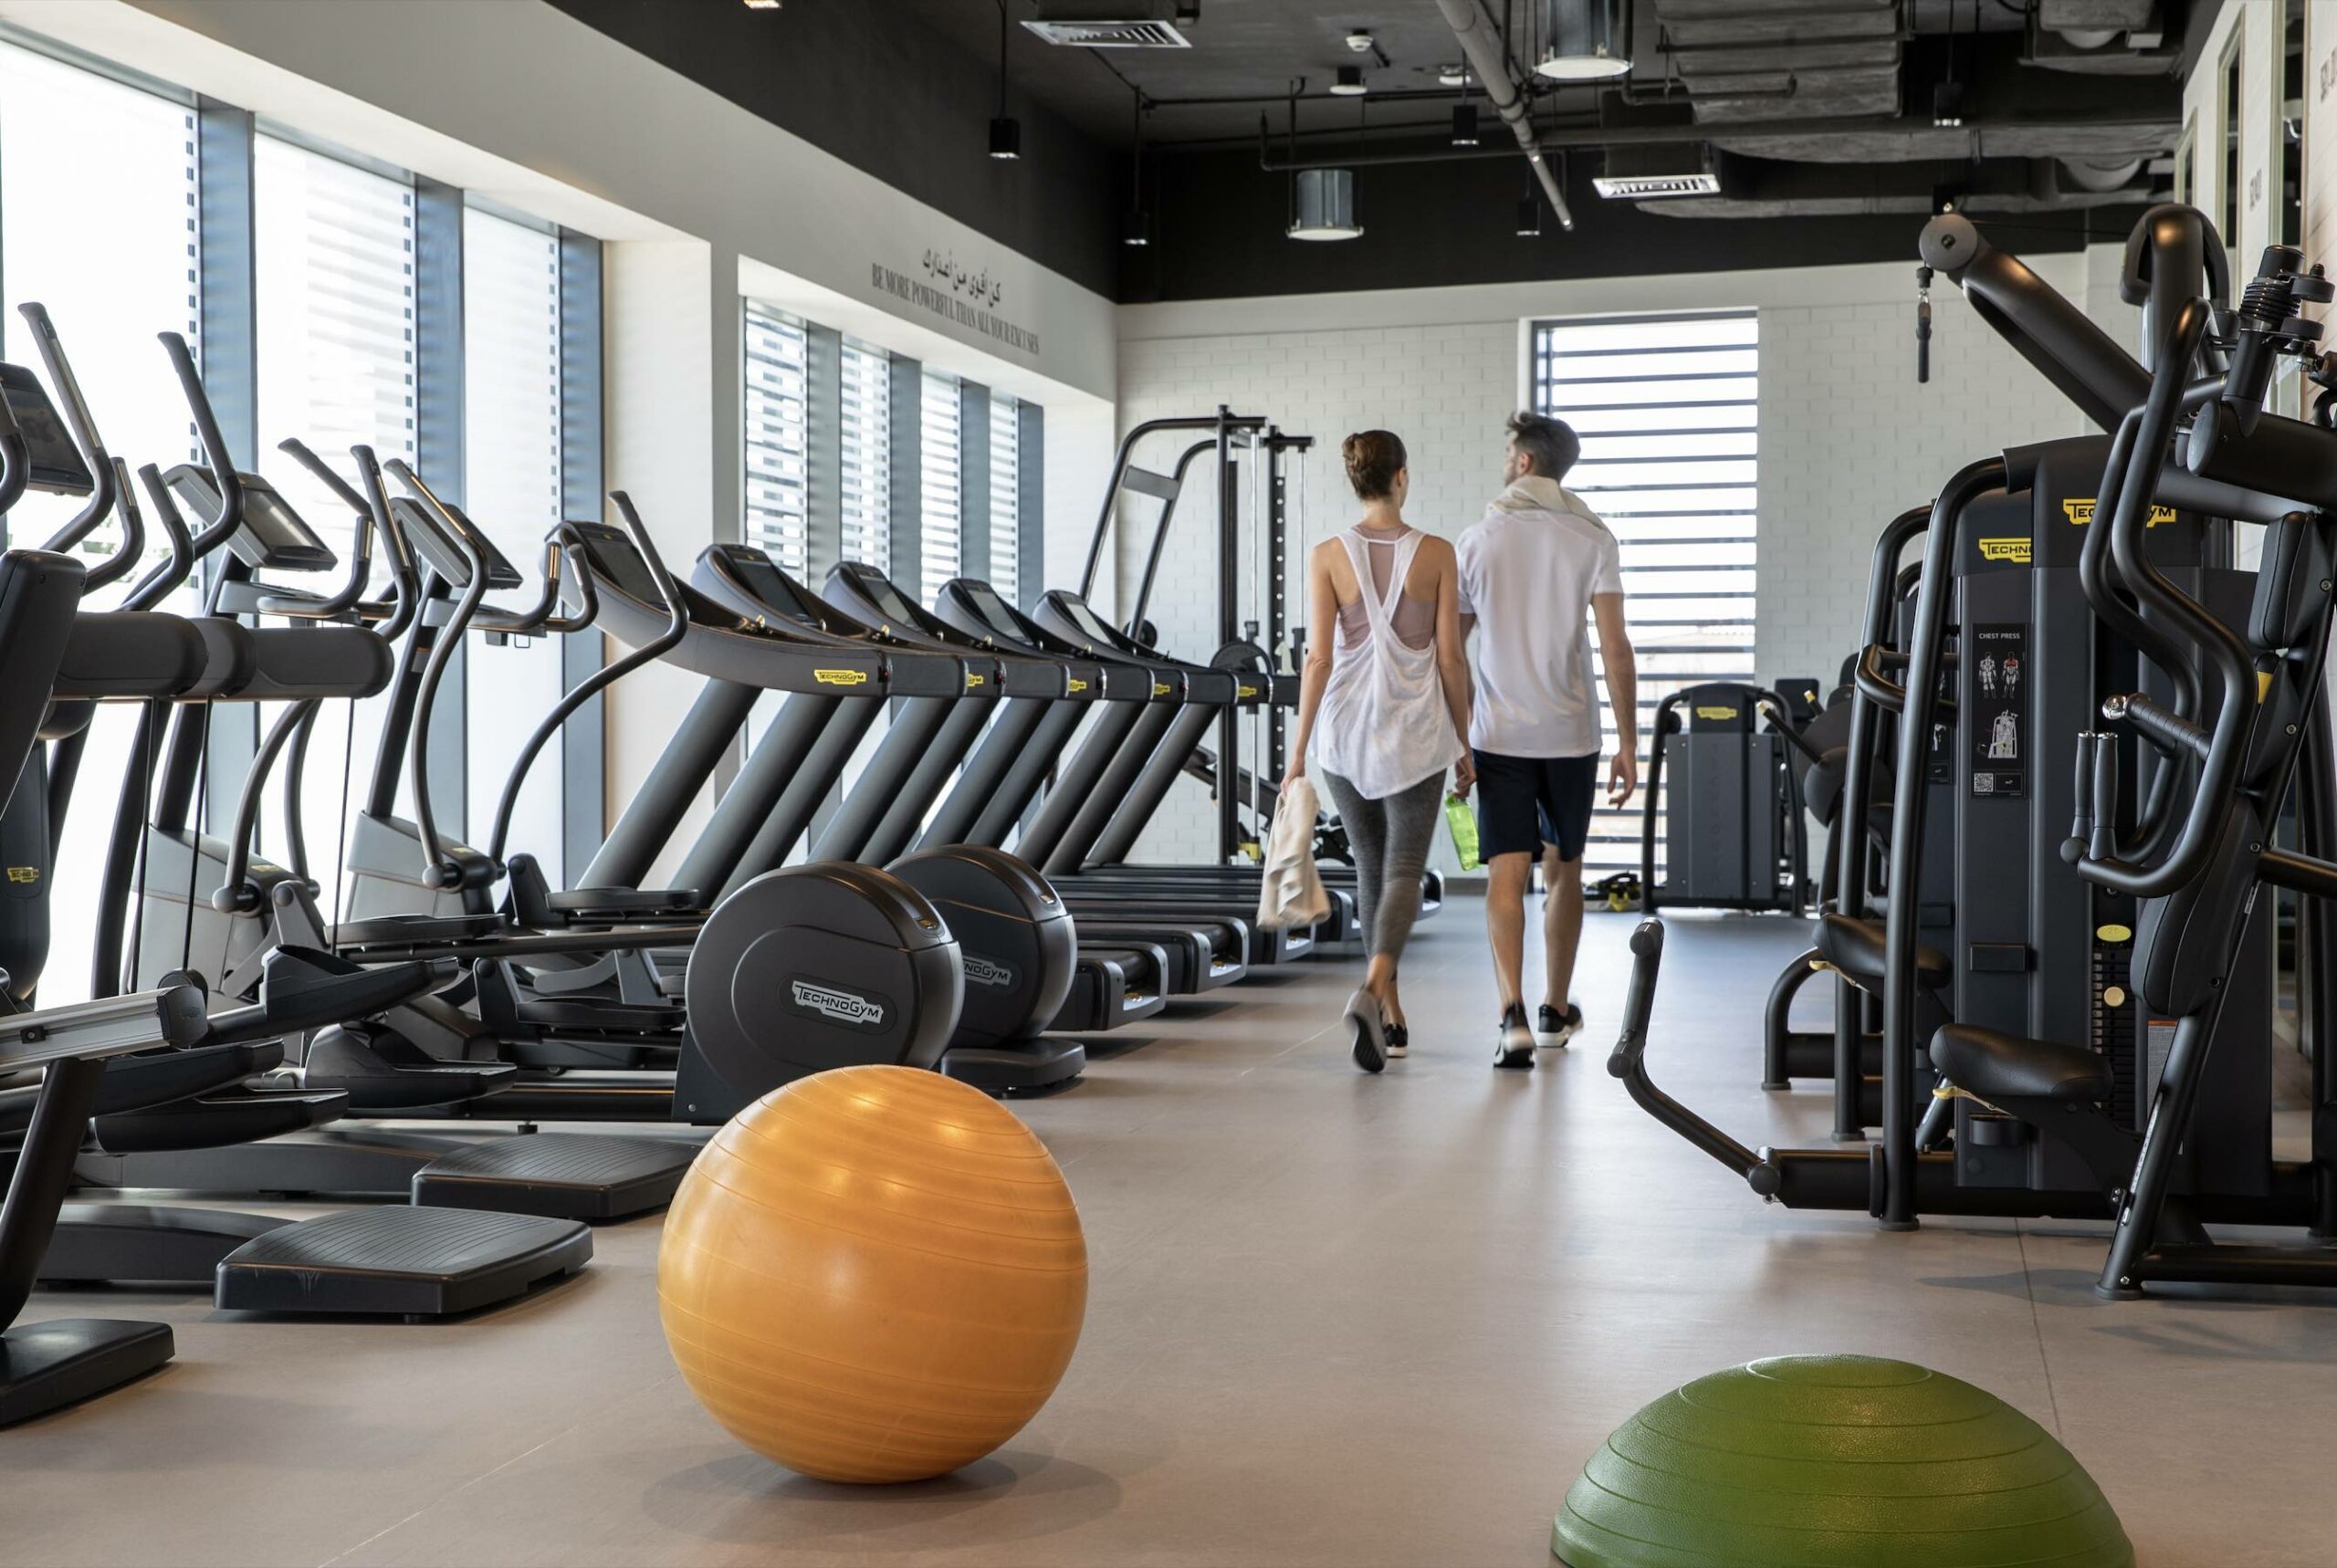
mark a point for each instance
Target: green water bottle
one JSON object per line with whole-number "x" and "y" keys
{"x": 1463, "y": 823}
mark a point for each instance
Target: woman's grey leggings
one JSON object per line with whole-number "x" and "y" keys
{"x": 1389, "y": 837}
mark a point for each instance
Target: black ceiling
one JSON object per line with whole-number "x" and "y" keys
{"x": 1821, "y": 115}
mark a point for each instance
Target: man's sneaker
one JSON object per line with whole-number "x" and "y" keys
{"x": 1516, "y": 1046}
{"x": 1367, "y": 1031}
{"x": 1400, "y": 1041}
{"x": 1562, "y": 1027}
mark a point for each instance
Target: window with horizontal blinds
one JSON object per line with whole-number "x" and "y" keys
{"x": 1005, "y": 496}
{"x": 511, "y": 453}
{"x": 941, "y": 513}
{"x": 99, "y": 222}
{"x": 1667, "y": 411}
{"x": 776, "y": 436}
{"x": 864, "y": 465}
{"x": 334, "y": 271}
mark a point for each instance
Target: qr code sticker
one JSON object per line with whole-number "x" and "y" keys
{"x": 1983, "y": 783}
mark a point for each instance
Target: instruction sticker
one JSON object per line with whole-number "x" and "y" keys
{"x": 1997, "y": 704}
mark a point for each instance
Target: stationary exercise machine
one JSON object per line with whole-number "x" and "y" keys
{"x": 1723, "y": 781}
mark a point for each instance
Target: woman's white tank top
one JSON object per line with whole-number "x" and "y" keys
{"x": 1384, "y": 726}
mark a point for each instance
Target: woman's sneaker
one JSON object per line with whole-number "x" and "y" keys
{"x": 1515, "y": 1048}
{"x": 1564, "y": 1026}
{"x": 1367, "y": 1031}
{"x": 1400, "y": 1041}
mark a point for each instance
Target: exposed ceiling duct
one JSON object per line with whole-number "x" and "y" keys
{"x": 1489, "y": 62}
{"x": 1758, "y": 59}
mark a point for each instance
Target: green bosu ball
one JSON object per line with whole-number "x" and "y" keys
{"x": 1827, "y": 1461}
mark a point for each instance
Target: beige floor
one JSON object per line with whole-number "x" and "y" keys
{"x": 1333, "y": 1320}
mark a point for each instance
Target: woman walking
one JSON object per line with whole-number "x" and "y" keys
{"x": 1388, "y": 683}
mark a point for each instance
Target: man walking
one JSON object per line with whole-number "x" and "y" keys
{"x": 1533, "y": 571}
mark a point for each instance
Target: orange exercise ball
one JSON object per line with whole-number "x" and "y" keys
{"x": 872, "y": 1274}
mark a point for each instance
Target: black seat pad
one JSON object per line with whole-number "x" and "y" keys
{"x": 1856, "y": 947}
{"x": 1994, "y": 1065}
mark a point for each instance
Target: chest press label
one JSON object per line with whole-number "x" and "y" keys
{"x": 1998, "y": 702}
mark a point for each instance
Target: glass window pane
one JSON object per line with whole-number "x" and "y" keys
{"x": 942, "y": 516}
{"x": 1006, "y": 496}
{"x": 1668, "y": 410}
{"x": 335, "y": 278}
{"x": 511, "y": 490}
{"x": 97, "y": 222}
{"x": 864, "y": 471}
{"x": 777, "y": 438}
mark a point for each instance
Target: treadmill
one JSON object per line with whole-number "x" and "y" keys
{"x": 886, "y": 814}
{"x": 1125, "y": 759}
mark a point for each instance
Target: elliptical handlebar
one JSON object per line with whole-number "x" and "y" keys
{"x": 174, "y": 568}
{"x": 133, "y": 531}
{"x": 15, "y": 459}
{"x": 678, "y": 623}
{"x": 221, "y": 462}
{"x": 76, "y": 408}
{"x": 407, "y": 598}
{"x": 438, "y": 872}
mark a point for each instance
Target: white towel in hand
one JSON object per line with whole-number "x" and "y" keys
{"x": 1292, "y": 892}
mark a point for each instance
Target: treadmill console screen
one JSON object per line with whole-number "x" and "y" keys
{"x": 57, "y": 465}
{"x": 1085, "y": 618}
{"x": 989, "y": 605}
{"x": 271, "y": 536}
{"x": 769, "y": 586}
{"x": 442, "y": 555}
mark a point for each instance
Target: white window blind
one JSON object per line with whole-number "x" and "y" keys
{"x": 942, "y": 515}
{"x": 97, "y": 222}
{"x": 865, "y": 470}
{"x": 1667, "y": 408}
{"x": 511, "y": 457}
{"x": 777, "y": 437}
{"x": 335, "y": 278}
{"x": 1006, "y": 496}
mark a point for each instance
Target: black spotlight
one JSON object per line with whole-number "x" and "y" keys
{"x": 1005, "y": 138}
{"x": 1347, "y": 82}
{"x": 1464, "y": 125}
{"x": 1529, "y": 218}
{"x": 1136, "y": 228}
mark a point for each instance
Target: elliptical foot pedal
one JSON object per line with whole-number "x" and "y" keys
{"x": 559, "y": 1175}
{"x": 122, "y": 1242}
{"x": 402, "y": 1262}
{"x": 48, "y": 1365}
{"x": 1033, "y": 1065}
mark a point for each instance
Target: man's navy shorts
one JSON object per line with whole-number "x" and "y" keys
{"x": 1524, "y": 803}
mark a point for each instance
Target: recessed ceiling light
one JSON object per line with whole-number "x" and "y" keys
{"x": 1452, "y": 75}
{"x": 762, "y": 4}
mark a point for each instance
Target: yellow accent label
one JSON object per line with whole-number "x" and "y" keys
{"x": 2082, "y": 513}
{"x": 2263, "y": 684}
{"x": 973, "y": 680}
{"x": 841, "y": 677}
{"x": 23, "y": 873}
{"x": 2114, "y": 933}
{"x": 1159, "y": 689}
{"x": 1077, "y": 684}
{"x": 2007, "y": 550}
{"x": 1246, "y": 691}
{"x": 1718, "y": 713}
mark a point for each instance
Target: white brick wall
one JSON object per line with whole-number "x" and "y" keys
{"x": 1848, "y": 437}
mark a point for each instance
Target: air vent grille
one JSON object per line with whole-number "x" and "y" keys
{"x": 1640, "y": 187}
{"x": 1111, "y": 35}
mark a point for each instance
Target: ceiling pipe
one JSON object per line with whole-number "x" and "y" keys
{"x": 1489, "y": 61}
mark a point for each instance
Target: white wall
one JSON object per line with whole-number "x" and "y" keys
{"x": 697, "y": 201}
{"x": 1848, "y": 438}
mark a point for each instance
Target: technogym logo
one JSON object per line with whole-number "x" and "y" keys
{"x": 836, "y": 1004}
{"x": 841, "y": 677}
{"x": 988, "y": 972}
